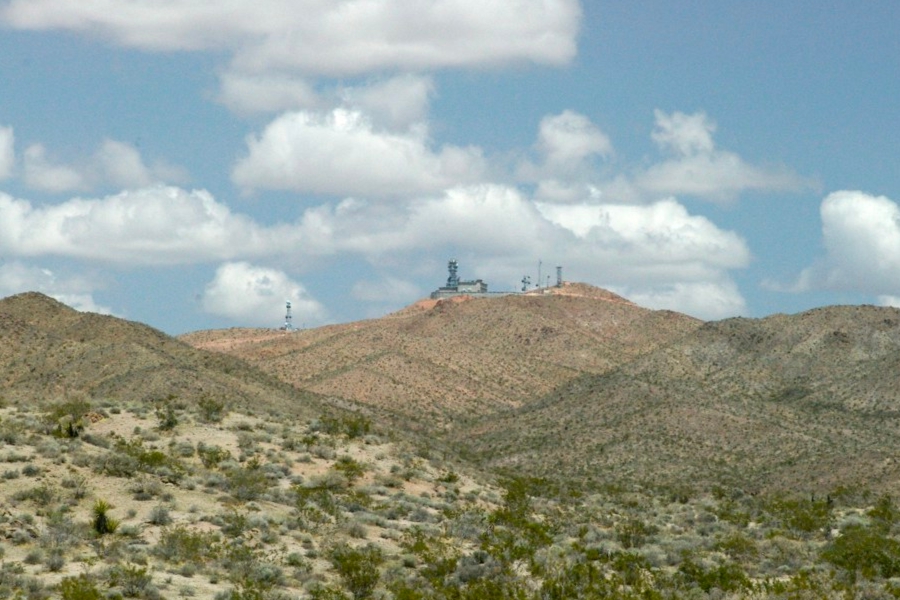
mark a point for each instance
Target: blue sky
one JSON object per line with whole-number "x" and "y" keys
{"x": 194, "y": 165}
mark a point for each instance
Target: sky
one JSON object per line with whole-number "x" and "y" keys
{"x": 195, "y": 165}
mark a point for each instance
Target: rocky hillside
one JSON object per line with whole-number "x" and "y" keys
{"x": 584, "y": 384}
{"x": 807, "y": 401}
{"x": 437, "y": 364}
{"x": 50, "y": 352}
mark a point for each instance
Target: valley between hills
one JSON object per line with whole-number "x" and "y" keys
{"x": 562, "y": 444}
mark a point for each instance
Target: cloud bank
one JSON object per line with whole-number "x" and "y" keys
{"x": 324, "y": 38}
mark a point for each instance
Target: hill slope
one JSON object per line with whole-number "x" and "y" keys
{"x": 50, "y": 351}
{"x": 439, "y": 363}
{"x": 805, "y": 401}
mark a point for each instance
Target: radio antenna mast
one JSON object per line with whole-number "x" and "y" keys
{"x": 288, "y": 325}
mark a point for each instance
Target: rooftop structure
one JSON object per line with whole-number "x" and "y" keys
{"x": 456, "y": 287}
{"x": 477, "y": 287}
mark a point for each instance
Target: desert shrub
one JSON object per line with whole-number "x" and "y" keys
{"x": 145, "y": 488}
{"x": 884, "y": 514}
{"x": 182, "y": 545}
{"x": 738, "y": 546}
{"x": 79, "y": 587}
{"x": 55, "y": 561}
{"x": 351, "y": 425}
{"x": 803, "y": 515}
{"x": 211, "y": 410}
{"x": 103, "y": 524}
{"x": 159, "y": 515}
{"x": 358, "y": 568}
{"x": 78, "y": 484}
{"x": 131, "y": 457}
{"x": 349, "y": 468}
{"x": 248, "y": 482}
{"x": 728, "y": 577}
{"x": 166, "y": 414}
{"x": 66, "y": 419}
{"x": 864, "y": 551}
{"x": 41, "y": 495}
{"x": 211, "y": 456}
{"x": 633, "y": 532}
{"x": 61, "y": 532}
{"x": 133, "y": 580}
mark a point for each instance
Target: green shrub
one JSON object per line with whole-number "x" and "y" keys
{"x": 182, "y": 545}
{"x": 352, "y": 425}
{"x": 358, "y": 568}
{"x": 66, "y": 419}
{"x": 801, "y": 515}
{"x": 865, "y": 551}
{"x": 211, "y": 456}
{"x": 103, "y": 523}
{"x": 133, "y": 580}
{"x": 349, "y": 468}
{"x": 80, "y": 587}
{"x": 728, "y": 577}
{"x": 211, "y": 410}
{"x": 248, "y": 482}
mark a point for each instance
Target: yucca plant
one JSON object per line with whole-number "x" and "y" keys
{"x": 103, "y": 523}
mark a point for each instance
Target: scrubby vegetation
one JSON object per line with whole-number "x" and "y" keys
{"x": 234, "y": 506}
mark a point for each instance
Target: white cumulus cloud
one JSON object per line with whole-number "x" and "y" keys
{"x": 42, "y": 174}
{"x": 324, "y": 37}
{"x": 861, "y": 235}
{"x": 261, "y": 93}
{"x": 255, "y": 295}
{"x": 114, "y": 164}
{"x": 698, "y": 168}
{"x": 341, "y": 153}
{"x": 396, "y": 103}
{"x": 150, "y": 226}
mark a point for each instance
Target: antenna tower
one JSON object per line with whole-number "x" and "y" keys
{"x": 526, "y": 281}
{"x": 558, "y": 276}
{"x": 288, "y": 325}
{"x": 453, "y": 279}
{"x": 540, "y": 262}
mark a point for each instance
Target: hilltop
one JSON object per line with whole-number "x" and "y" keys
{"x": 439, "y": 363}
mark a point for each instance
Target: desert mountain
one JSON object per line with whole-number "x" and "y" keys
{"x": 51, "y": 351}
{"x": 582, "y": 383}
{"x": 807, "y": 401}
{"x": 439, "y": 363}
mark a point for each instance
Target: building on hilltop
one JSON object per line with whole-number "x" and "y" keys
{"x": 478, "y": 288}
{"x": 455, "y": 287}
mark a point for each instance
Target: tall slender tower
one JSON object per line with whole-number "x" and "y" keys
{"x": 288, "y": 325}
{"x": 453, "y": 279}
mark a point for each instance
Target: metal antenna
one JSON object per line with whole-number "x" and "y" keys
{"x": 540, "y": 262}
{"x": 559, "y": 281}
{"x": 288, "y": 325}
{"x": 453, "y": 279}
{"x": 526, "y": 281}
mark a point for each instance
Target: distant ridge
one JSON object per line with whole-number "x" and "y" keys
{"x": 808, "y": 401}
{"x": 51, "y": 351}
